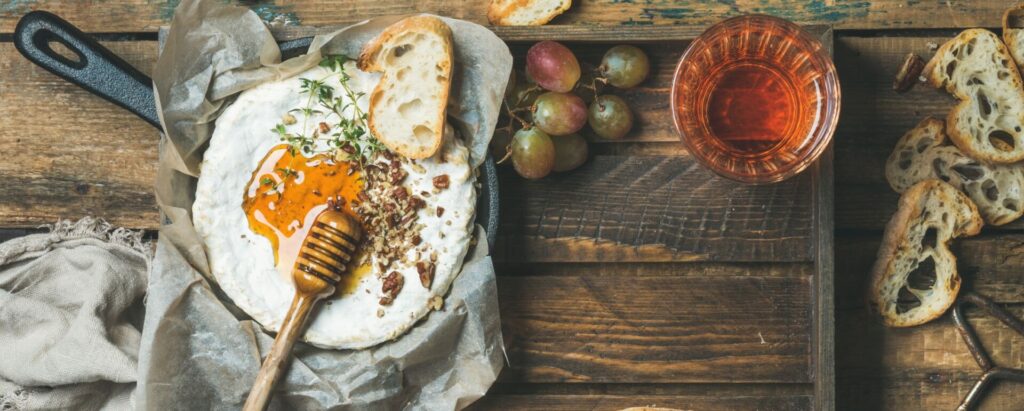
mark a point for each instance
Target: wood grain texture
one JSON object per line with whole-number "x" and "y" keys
{"x": 611, "y": 403}
{"x": 71, "y": 154}
{"x": 148, "y": 15}
{"x": 656, "y": 329}
{"x": 675, "y": 269}
{"x": 923, "y": 368}
{"x": 706, "y": 396}
{"x": 920, "y": 389}
{"x": 653, "y": 209}
{"x": 823, "y": 282}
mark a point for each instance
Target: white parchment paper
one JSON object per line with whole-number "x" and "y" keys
{"x": 198, "y": 351}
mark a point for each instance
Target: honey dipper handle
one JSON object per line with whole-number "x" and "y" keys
{"x": 277, "y": 361}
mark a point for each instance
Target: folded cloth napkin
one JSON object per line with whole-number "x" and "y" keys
{"x": 70, "y": 314}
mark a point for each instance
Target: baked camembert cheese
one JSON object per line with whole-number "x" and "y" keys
{"x": 278, "y": 153}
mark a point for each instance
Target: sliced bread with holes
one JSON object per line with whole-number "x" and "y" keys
{"x": 525, "y": 12}
{"x": 988, "y": 122}
{"x": 925, "y": 153}
{"x": 407, "y": 108}
{"x": 914, "y": 279}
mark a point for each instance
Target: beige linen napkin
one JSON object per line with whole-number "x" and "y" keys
{"x": 68, "y": 300}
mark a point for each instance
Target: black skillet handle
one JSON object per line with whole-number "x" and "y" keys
{"x": 94, "y": 68}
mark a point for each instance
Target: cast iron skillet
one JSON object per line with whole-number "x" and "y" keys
{"x": 104, "y": 74}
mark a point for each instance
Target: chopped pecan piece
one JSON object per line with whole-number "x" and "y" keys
{"x": 426, "y": 272}
{"x": 391, "y": 286}
{"x": 399, "y": 193}
{"x": 441, "y": 181}
{"x": 417, "y": 203}
{"x": 910, "y": 72}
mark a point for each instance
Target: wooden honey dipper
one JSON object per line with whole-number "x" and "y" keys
{"x": 331, "y": 243}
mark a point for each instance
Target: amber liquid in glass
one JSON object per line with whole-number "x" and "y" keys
{"x": 754, "y": 108}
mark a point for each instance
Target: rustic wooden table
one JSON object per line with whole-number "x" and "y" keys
{"x": 601, "y": 309}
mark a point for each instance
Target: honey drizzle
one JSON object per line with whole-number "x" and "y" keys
{"x": 284, "y": 196}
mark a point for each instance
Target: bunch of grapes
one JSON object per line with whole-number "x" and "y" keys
{"x": 548, "y": 107}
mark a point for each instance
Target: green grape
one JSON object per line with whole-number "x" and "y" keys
{"x": 625, "y": 66}
{"x": 570, "y": 152}
{"x": 610, "y": 117}
{"x": 533, "y": 153}
{"x": 553, "y": 66}
{"x": 558, "y": 114}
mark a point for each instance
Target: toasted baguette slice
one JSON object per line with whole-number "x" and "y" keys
{"x": 988, "y": 123}
{"x": 914, "y": 279}
{"x": 525, "y": 12}
{"x": 407, "y": 108}
{"x": 925, "y": 153}
{"x": 1013, "y": 33}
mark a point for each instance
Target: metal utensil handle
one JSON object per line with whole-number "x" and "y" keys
{"x": 93, "y": 67}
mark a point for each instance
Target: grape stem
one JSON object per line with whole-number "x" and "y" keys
{"x": 593, "y": 82}
{"x": 513, "y": 117}
{"x": 512, "y": 114}
{"x": 508, "y": 154}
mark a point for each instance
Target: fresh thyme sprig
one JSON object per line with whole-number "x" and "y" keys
{"x": 351, "y": 133}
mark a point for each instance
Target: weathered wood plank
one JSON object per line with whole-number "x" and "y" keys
{"x": 874, "y": 116}
{"x": 673, "y": 269}
{"x": 148, "y": 16}
{"x": 656, "y": 329}
{"x": 920, "y": 389}
{"x": 925, "y": 367}
{"x": 653, "y": 209}
{"x": 70, "y": 154}
{"x": 823, "y": 284}
{"x": 611, "y": 403}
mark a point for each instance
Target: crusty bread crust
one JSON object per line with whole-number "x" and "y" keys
{"x": 928, "y": 205}
{"x": 1013, "y": 33}
{"x": 371, "y": 59}
{"x": 1004, "y": 96}
{"x": 503, "y": 12}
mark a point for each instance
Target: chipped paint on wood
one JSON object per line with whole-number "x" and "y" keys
{"x": 266, "y": 10}
{"x": 166, "y": 10}
{"x": 16, "y": 6}
{"x": 273, "y": 13}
